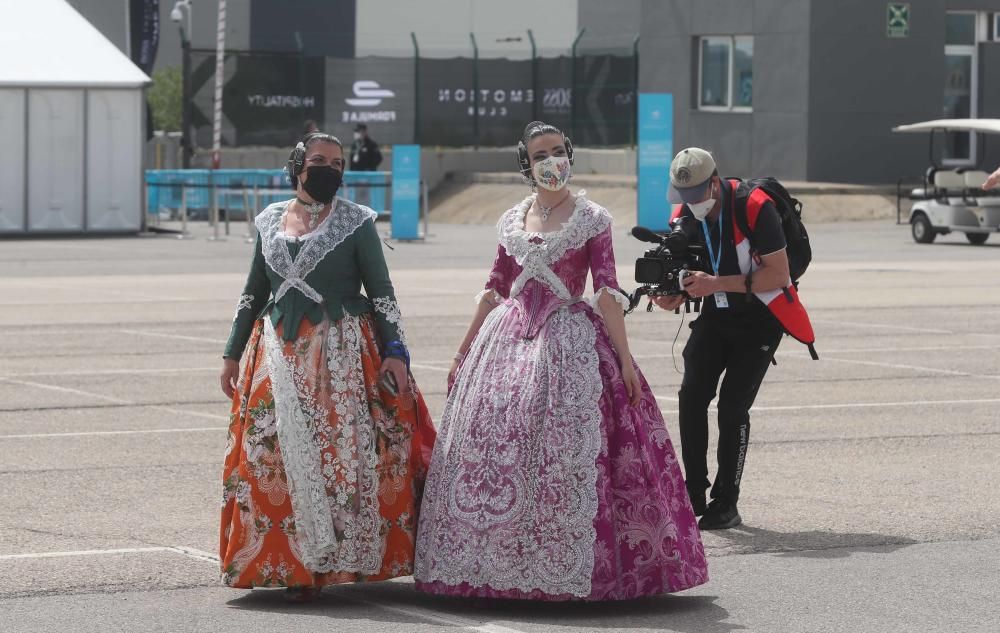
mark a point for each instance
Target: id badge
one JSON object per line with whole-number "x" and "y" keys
{"x": 721, "y": 301}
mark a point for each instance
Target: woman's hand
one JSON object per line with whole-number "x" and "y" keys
{"x": 993, "y": 180}
{"x": 632, "y": 383}
{"x": 453, "y": 372}
{"x": 396, "y": 367}
{"x": 230, "y": 371}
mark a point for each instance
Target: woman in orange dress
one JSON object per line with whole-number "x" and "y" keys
{"x": 329, "y": 437}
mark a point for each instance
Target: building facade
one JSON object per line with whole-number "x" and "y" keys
{"x": 810, "y": 89}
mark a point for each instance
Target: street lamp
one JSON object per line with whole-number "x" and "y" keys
{"x": 177, "y": 14}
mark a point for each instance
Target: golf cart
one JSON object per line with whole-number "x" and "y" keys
{"x": 952, "y": 199}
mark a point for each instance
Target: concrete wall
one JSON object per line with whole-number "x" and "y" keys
{"x": 443, "y": 26}
{"x": 610, "y": 26}
{"x": 989, "y": 102}
{"x": 322, "y": 27}
{"x": 864, "y": 83}
{"x": 771, "y": 139}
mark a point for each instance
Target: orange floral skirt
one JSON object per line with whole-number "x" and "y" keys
{"x": 324, "y": 468}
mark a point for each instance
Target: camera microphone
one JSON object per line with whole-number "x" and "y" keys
{"x": 643, "y": 234}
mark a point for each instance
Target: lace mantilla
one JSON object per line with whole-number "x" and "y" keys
{"x": 536, "y": 253}
{"x": 389, "y": 308}
{"x": 334, "y": 502}
{"x": 345, "y": 218}
{"x": 511, "y": 497}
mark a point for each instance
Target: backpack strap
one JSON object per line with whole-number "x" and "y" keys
{"x": 739, "y": 212}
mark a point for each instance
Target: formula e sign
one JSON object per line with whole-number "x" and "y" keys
{"x": 368, "y": 94}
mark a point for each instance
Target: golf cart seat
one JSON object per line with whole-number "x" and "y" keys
{"x": 950, "y": 181}
{"x": 974, "y": 183}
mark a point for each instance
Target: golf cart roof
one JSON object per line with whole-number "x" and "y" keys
{"x": 988, "y": 126}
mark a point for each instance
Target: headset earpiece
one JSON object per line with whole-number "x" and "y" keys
{"x": 523, "y": 162}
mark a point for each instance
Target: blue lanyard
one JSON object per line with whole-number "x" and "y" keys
{"x": 712, "y": 257}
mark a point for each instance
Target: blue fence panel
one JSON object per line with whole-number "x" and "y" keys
{"x": 164, "y": 186}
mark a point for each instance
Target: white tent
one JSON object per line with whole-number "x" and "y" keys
{"x": 71, "y": 124}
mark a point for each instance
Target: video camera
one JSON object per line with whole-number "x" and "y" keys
{"x": 661, "y": 270}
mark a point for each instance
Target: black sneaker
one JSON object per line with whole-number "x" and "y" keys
{"x": 720, "y": 515}
{"x": 697, "y": 503}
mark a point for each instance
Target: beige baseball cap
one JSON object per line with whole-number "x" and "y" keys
{"x": 690, "y": 172}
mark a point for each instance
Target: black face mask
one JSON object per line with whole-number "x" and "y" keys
{"x": 323, "y": 182}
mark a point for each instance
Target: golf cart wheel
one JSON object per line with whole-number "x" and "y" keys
{"x": 977, "y": 238}
{"x": 920, "y": 227}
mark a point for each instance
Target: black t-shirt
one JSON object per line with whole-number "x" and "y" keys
{"x": 768, "y": 238}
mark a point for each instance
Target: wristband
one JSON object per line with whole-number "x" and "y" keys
{"x": 396, "y": 349}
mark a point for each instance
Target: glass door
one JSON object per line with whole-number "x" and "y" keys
{"x": 963, "y": 31}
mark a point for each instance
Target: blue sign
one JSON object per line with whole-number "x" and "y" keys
{"x": 656, "y": 150}
{"x": 405, "y": 192}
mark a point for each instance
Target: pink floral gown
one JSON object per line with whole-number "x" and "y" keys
{"x": 545, "y": 483}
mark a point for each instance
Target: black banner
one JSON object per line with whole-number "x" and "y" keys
{"x": 447, "y": 102}
{"x": 144, "y": 32}
{"x": 266, "y": 99}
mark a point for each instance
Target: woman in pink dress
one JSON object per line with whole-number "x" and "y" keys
{"x": 553, "y": 477}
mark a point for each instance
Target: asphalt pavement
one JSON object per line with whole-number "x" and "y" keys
{"x": 871, "y": 496}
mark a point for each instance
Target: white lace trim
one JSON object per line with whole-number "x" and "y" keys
{"x": 613, "y": 293}
{"x": 342, "y": 494}
{"x": 245, "y": 303}
{"x": 537, "y": 256}
{"x": 389, "y": 308}
{"x": 495, "y": 299}
{"x": 511, "y": 495}
{"x": 345, "y": 218}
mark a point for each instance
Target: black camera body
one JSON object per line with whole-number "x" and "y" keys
{"x": 661, "y": 270}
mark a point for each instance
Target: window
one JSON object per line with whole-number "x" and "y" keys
{"x": 725, "y": 74}
{"x": 963, "y": 30}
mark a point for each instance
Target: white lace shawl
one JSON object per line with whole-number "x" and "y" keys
{"x": 345, "y": 218}
{"x": 537, "y": 258}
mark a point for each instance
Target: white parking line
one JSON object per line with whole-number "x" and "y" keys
{"x": 90, "y": 394}
{"x": 862, "y": 405}
{"x": 113, "y": 372}
{"x": 182, "y": 337}
{"x": 901, "y": 328}
{"x": 427, "y": 614}
{"x": 86, "y": 552}
{"x": 934, "y": 370}
{"x": 29, "y": 436}
{"x": 197, "y": 554}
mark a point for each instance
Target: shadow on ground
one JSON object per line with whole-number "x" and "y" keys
{"x": 747, "y": 539}
{"x": 400, "y": 604}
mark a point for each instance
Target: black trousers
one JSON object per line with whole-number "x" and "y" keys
{"x": 741, "y": 345}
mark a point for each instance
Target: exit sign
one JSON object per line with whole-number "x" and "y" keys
{"x": 898, "y": 20}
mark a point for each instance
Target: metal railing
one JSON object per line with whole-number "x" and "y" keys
{"x": 223, "y": 197}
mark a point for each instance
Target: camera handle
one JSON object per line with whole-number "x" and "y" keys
{"x": 691, "y": 304}
{"x": 636, "y": 297}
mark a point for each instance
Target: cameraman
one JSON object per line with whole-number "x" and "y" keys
{"x": 735, "y": 332}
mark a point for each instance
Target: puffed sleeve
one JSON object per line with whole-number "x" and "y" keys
{"x": 256, "y": 293}
{"x": 601, "y": 251}
{"x": 378, "y": 287}
{"x": 501, "y": 277}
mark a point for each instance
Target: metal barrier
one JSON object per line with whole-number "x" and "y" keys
{"x": 225, "y": 194}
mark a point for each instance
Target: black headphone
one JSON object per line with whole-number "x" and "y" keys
{"x": 297, "y": 159}
{"x": 524, "y": 163}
